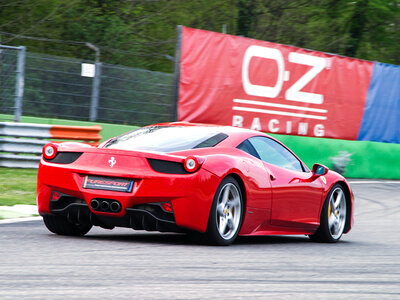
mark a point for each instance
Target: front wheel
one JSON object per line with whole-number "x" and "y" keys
{"x": 60, "y": 225}
{"x": 226, "y": 213}
{"x": 333, "y": 216}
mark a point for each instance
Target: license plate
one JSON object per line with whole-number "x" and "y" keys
{"x": 108, "y": 184}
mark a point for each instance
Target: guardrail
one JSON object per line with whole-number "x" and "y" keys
{"x": 21, "y": 143}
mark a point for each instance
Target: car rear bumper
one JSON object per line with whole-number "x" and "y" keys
{"x": 190, "y": 196}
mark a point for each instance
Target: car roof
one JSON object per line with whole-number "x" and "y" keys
{"x": 230, "y": 130}
{"x": 236, "y": 135}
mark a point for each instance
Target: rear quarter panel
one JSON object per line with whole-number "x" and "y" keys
{"x": 243, "y": 167}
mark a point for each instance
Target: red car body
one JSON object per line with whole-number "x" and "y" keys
{"x": 276, "y": 200}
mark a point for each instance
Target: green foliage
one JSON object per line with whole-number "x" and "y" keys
{"x": 367, "y": 29}
{"x": 142, "y": 33}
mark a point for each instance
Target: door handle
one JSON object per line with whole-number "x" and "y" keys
{"x": 272, "y": 177}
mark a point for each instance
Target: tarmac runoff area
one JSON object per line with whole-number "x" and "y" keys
{"x": 127, "y": 264}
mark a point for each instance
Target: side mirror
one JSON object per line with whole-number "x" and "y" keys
{"x": 319, "y": 170}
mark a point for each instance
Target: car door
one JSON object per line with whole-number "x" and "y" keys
{"x": 296, "y": 200}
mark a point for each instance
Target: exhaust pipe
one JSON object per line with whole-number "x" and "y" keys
{"x": 94, "y": 204}
{"x": 104, "y": 205}
{"x": 115, "y": 206}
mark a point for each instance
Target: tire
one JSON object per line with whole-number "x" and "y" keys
{"x": 60, "y": 225}
{"x": 333, "y": 217}
{"x": 226, "y": 214}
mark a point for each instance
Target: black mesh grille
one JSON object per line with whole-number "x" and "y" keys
{"x": 65, "y": 157}
{"x": 165, "y": 166}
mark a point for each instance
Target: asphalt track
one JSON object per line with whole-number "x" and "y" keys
{"x": 123, "y": 263}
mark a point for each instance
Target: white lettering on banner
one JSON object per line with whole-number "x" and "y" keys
{"x": 273, "y": 125}
{"x": 256, "y": 125}
{"x": 319, "y": 130}
{"x": 289, "y": 127}
{"x": 303, "y": 129}
{"x": 259, "y": 90}
{"x": 280, "y": 113}
{"x": 237, "y": 121}
{"x": 294, "y": 107}
{"x": 318, "y": 64}
{"x": 293, "y": 92}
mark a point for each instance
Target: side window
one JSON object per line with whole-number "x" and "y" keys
{"x": 248, "y": 148}
{"x": 275, "y": 154}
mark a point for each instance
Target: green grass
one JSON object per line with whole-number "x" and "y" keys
{"x": 17, "y": 186}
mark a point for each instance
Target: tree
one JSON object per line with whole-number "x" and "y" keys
{"x": 142, "y": 33}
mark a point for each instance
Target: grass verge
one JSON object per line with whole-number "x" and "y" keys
{"x": 17, "y": 186}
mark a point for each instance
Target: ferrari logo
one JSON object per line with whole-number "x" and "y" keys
{"x": 112, "y": 161}
{"x": 323, "y": 179}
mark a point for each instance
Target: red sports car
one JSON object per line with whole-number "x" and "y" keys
{"x": 213, "y": 182}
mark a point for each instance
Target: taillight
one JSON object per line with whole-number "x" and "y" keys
{"x": 49, "y": 151}
{"x": 191, "y": 164}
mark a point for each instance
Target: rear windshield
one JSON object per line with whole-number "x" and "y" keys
{"x": 168, "y": 138}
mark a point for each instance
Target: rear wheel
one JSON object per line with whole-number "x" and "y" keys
{"x": 333, "y": 216}
{"x": 226, "y": 213}
{"x": 60, "y": 225}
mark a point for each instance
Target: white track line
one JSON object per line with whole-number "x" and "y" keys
{"x": 19, "y": 220}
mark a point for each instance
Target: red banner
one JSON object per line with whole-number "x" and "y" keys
{"x": 237, "y": 81}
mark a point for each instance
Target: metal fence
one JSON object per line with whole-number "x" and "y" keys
{"x": 55, "y": 88}
{"x": 12, "y": 60}
{"x": 135, "y": 96}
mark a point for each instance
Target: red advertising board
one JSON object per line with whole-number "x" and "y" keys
{"x": 238, "y": 81}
